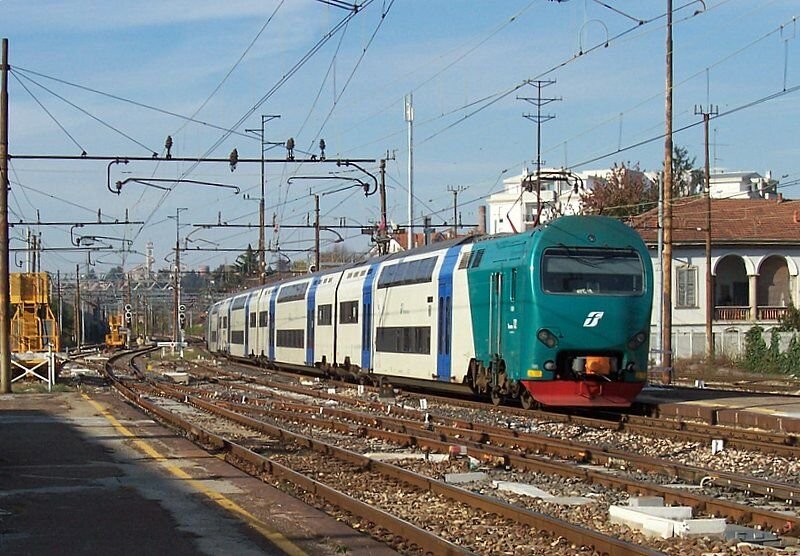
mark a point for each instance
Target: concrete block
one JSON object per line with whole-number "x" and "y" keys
{"x": 666, "y": 522}
{"x": 675, "y": 513}
{"x": 711, "y": 527}
{"x": 178, "y": 378}
{"x": 641, "y": 501}
{"x": 397, "y": 456}
{"x": 648, "y": 524}
{"x": 522, "y": 489}
{"x": 458, "y": 478}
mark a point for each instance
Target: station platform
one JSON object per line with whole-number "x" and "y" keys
{"x": 775, "y": 413}
{"x": 87, "y": 474}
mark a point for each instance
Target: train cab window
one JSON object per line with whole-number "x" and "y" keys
{"x": 325, "y": 315}
{"x": 348, "y": 312}
{"x": 252, "y": 320}
{"x": 263, "y": 319}
{"x": 475, "y": 261}
{"x": 592, "y": 271}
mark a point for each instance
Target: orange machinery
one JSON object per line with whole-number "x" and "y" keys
{"x": 114, "y": 339}
{"x": 33, "y": 326}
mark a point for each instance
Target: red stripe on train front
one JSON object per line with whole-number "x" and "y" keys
{"x": 580, "y": 393}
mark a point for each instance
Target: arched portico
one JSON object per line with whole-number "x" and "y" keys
{"x": 774, "y": 287}
{"x": 734, "y": 288}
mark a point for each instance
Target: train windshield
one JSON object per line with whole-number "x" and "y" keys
{"x": 592, "y": 271}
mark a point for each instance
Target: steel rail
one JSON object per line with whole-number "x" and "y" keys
{"x": 573, "y": 533}
{"x": 781, "y": 444}
{"x": 458, "y": 430}
{"x": 256, "y": 464}
{"x": 481, "y": 445}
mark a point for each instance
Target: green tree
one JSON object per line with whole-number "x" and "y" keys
{"x": 755, "y": 350}
{"x": 626, "y": 192}
{"x": 790, "y": 319}
{"x": 247, "y": 263}
{"x": 114, "y": 273}
{"x": 687, "y": 180}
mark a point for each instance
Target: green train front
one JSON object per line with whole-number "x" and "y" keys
{"x": 567, "y": 318}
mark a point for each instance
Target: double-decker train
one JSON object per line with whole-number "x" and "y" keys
{"x": 559, "y": 316}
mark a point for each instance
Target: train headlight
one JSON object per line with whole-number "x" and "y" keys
{"x": 637, "y": 340}
{"x": 547, "y": 338}
{"x": 550, "y": 366}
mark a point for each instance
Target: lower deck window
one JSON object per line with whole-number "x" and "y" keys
{"x": 213, "y": 336}
{"x": 403, "y": 339}
{"x": 237, "y": 336}
{"x": 290, "y": 338}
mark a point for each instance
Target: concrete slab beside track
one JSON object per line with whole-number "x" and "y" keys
{"x": 91, "y": 475}
{"x": 770, "y": 412}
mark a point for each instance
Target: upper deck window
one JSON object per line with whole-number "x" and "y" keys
{"x": 592, "y": 271}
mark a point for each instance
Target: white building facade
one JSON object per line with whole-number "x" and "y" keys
{"x": 755, "y": 258}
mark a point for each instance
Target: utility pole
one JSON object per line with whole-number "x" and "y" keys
{"x": 707, "y": 112}
{"x": 409, "y": 103}
{"x": 176, "y": 294}
{"x": 383, "y": 240}
{"x": 539, "y": 118}
{"x": 60, "y": 305}
{"x": 316, "y": 233}
{"x": 455, "y": 191}
{"x": 5, "y": 293}
{"x": 78, "y": 317}
{"x": 666, "y": 261}
{"x": 262, "y": 265}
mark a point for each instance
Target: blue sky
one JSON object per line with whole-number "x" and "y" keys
{"x": 452, "y": 54}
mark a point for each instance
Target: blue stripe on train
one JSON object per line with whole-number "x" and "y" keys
{"x": 271, "y": 329}
{"x": 445, "y": 315}
{"x": 247, "y": 324}
{"x": 366, "y": 320}
{"x": 310, "y": 308}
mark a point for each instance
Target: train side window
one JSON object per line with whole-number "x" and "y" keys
{"x": 324, "y": 315}
{"x": 263, "y": 319}
{"x": 513, "y": 289}
{"x": 348, "y": 312}
{"x": 252, "y": 320}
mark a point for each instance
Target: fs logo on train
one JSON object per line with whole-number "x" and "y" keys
{"x": 592, "y": 319}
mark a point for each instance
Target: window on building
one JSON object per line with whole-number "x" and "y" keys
{"x": 348, "y": 312}
{"x": 325, "y": 315}
{"x": 687, "y": 286}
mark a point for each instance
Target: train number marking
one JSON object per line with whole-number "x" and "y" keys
{"x": 592, "y": 319}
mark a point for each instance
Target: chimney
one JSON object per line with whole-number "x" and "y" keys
{"x": 481, "y": 230}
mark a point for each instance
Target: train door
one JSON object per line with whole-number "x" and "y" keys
{"x": 496, "y": 316}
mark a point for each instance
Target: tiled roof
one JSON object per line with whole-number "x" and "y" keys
{"x": 732, "y": 220}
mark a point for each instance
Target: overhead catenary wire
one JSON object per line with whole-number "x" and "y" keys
{"x": 87, "y": 113}
{"x": 46, "y": 111}
{"x": 235, "y": 65}
{"x": 296, "y": 67}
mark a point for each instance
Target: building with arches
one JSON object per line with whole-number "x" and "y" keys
{"x": 755, "y": 255}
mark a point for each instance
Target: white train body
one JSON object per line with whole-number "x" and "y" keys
{"x": 399, "y": 316}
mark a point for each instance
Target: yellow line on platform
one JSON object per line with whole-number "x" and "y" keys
{"x": 265, "y": 530}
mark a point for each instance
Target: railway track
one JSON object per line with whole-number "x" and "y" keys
{"x": 250, "y": 443}
{"x": 766, "y": 442}
{"x": 524, "y": 451}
